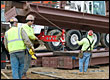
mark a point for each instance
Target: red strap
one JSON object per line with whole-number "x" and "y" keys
{"x": 3, "y": 61}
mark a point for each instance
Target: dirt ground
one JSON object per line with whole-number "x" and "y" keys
{"x": 64, "y": 73}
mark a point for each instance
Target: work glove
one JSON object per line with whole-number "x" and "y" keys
{"x": 75, "y": 39}
{"x": 34, "y": 57}
{"x": 31, "y": 52}
{"x": 32, "y": 48}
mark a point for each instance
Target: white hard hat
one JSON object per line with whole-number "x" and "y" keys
{"x": 13, "y": 19}
{"x": 30, "y": 17}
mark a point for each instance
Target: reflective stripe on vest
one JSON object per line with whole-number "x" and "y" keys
{"x": 19, "y": 39}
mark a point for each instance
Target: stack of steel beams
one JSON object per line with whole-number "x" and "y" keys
{"x": 69, "y": 59}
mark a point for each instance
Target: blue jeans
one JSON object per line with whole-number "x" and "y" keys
{"x": 85, "y": 59}
{"x": 17, "y": 64}
{"x": 27, "y": 60}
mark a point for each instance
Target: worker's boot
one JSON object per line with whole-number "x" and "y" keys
{"x": 85, "y": 73}
{"x": 24, "y": 77}
{"x": 80, "y": 73}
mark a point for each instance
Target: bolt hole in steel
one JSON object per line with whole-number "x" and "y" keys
{"x": 73, "y": 41}
{"x": 107, "y": 38}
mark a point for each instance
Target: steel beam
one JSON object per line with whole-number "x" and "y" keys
{"x": 63, "y": 18}
{"x": 44, "y": 54}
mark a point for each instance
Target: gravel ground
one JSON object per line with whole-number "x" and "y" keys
{"x": 66, "y": 74}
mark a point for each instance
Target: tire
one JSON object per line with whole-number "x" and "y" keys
{"x": 70, "y": 42}
{"x": 96, "y": 38}
{"x": 53, "y": 46}
{"x": 105, "y": 40}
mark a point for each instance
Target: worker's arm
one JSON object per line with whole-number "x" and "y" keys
{"x": 32, "y": 36}
{"x": 29, "y": 32}
{"x": 80, "y": 42}
{"x": 5, "y": 43}
{"x": 26, "y": 39}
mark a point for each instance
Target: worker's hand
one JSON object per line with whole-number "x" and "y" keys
{"x": 34, "y": 57}
{"x": 75, "y": 38}
{"x": 32, "y": 48}
{"x": 31, "y": 52}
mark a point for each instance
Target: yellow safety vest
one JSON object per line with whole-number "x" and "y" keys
{"x": 14, "y": 39}
{"x": 29, "y": 32}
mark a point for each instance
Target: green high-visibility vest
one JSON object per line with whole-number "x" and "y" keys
{"x": 29, "y": 32}
{"x": 14, "y": 39}
{"x": 85, "y": 43}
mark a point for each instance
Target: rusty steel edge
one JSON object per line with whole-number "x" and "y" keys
{"x": 63, "y": 18}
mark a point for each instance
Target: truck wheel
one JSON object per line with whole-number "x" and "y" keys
{"x": 71, "y": 44}
{"x": 96, "y": 39}
{"x": 53, "y": 46}
{"x": 105, "y": 40}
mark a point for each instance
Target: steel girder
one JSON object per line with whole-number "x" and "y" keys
{"x": 63, "y": 18}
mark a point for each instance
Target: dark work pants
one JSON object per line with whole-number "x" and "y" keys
{"x": 27, "y": 61}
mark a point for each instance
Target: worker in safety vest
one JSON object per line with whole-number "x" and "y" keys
{"x": 26, "y": 29}
{"x": 85, "y": 52}
{"x": 16, "y": 47}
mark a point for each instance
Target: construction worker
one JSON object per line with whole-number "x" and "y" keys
{"x": 27, "y": 30}
{"x": 16, "y": 47}
{"x": 85, "y": 51}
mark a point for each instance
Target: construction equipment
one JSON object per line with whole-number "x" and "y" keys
{"x": 65, "y": 17}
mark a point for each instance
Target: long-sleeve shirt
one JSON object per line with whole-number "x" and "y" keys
{"x": 26, "y": 39}
{"x": 29, "y": 32}
{"x": 85, "y": 43}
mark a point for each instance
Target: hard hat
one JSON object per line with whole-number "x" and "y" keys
{"x": 90, "y": 32}
{"x": 13, "y": 19}
{"x": 30, "y": 17}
